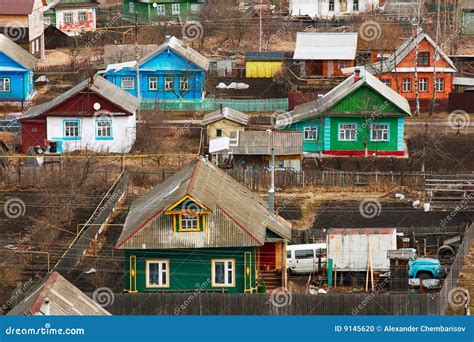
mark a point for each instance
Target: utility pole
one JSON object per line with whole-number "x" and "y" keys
{"x": 260, "y": 31}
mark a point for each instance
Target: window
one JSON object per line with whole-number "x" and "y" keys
{"x": 406, "y": 85}
{"x": 68, "y": 17}
{"x": 71, "y": 129}
{"x": 218, "y": 132}
{"x": 157, "y": 273}
{"x": 379, "y": 132}
{"x": 4, "y": 85}
{"x": 223, "y": 272}
{"x": 189, "y": 222}
{"x": 310, "y": 133}
{"x": 304, "y": 254}
{"x": 131, "y": 7}
{"x": 423, "y": 58}
{"x": 104, "y": 129}
{"x": 82, "y": 17}
{"x": 127, "y": 83}
{"x": 169, "y": 83}
{"x": 175, "y": 9}
{"x": 160, "y": 10}
{"x": 423, "y": 84}
{"x": 47, "y": 20}
{"x": 183, "y": 83}
{"x": 331, "y": 5}
{"x": 356, "y": 6}
{"x": 153, "y": 83}
{"x": 288, "y": 254}
{"x": 347, "y": 132}
{"x": 386, "y": 82}
{"x": 439, "y": 85}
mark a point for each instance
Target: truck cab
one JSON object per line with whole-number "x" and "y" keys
{"x": 423, "y": 268}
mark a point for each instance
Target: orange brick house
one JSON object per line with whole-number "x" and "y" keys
{"x": 398, "y": 72}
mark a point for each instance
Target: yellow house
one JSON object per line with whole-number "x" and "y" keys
{"x": 222, "y": 122}
{"x": 266, "y": 64}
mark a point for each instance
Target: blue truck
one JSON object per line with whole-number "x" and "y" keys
{"x": 423, "y": 268}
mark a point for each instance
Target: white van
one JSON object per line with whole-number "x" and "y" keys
{"x": 304, "y": 259}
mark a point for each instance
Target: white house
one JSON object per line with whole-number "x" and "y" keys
{"x": 94, "y": 115}
{"x": 326, "y": 9}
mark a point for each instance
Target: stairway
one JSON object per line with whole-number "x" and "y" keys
{"x": 272, "y": 279}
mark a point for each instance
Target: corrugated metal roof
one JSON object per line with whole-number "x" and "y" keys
{"x": 180, "y": 48}
{"x": 226, "y": 113}
{"x": 321, "y": 105}
{"x": 265, "y": 56}
{"x": 463, "y": 81}
{"x": 64, "y": 300}
{"x": 17, "y": 53}
{"x": 403, "y": 50}
{"x": 21, "y": 7}
{"x": 325, "y": 46}
{"x": 100, "y": 86}
{"x": 238, "y": 218}
{"x": 261, "y": 143}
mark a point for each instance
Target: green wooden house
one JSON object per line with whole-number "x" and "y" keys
{"x": 360, "y": 117}
{"x": 151, "y": 10}
{"x": 202, "y": 230}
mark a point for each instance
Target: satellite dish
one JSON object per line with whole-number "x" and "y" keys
{"x": 96, "y": 106}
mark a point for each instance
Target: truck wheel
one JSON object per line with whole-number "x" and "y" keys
{"x": 424, "y": 275}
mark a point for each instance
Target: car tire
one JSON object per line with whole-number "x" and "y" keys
{"x": 424, "y": 275}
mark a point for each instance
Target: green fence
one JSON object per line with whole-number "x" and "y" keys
{"x": 210, "y": 104}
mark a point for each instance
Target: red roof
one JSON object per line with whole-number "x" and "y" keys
{"x": 21, "y": 7}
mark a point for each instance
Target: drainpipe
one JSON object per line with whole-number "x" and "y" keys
{"x": 271, "y": 192}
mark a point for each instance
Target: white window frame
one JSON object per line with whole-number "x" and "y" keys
{"x": 161, "y": 270}
{"x": 160, "y": 10}
{"x": 227, "y": 282}
{"x": 169, "y": 83}
{"x": 66, "y": 15}
{"x": 103, "y": 131}
{"x": 406, "y": 85}
{"x": 380, "y": 132}
{"x": 187, "y": 224}
{"x": 345, "y": 130}
{"x": 175, "y": 9}
{"x": 125, "y": 85}
{"x": 81, "y": 13}
{"x": 439, "y": 85}
{"x": 72, "y": 131}
{"x": 333, "y": 3}
{"x": 311, "y": 133}
{"x": 6, "y": 85}
{"x": 424, "y": 82}
{"x": 153, "y": 83}
{"x": 184, "y": 81}
{"x": 355, "y": 5}
{"x": 131, "y": 7}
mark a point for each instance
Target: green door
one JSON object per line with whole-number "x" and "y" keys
{"x": 248, "y": 276}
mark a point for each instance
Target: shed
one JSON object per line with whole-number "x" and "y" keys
{"x": 263, "y": 64}
{"x": 325, "y": 53}
{"x": 222, "y": 122}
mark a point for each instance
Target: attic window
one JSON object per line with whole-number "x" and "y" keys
{"x": 189, "y": 222}
{"x": 423, "y": 58}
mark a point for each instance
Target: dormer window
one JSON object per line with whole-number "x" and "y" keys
{"x": 189, "y": 223}
{"x": 188, "y": 215}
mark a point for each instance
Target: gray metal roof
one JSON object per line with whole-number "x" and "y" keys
{"x": 463, "y": 81}
{"x": 403, "y": 50}
{"x": 264, "y": 55}
{"x": 261, "y": 143}
{"x": 64, "y": 300}
{"x": 17, "y": 53}
{"x": 238, "y": 218}
{"x": 226, "y": 113}
{"x": 321, "y": 105}
{"x": 180, "y": 48}
{"x": 100, "y": 86}
{"x": 325, "y": 46}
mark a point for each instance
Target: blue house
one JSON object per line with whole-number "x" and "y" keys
{"x": 16, "y": 72}
{"x": 173, "y": 72}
